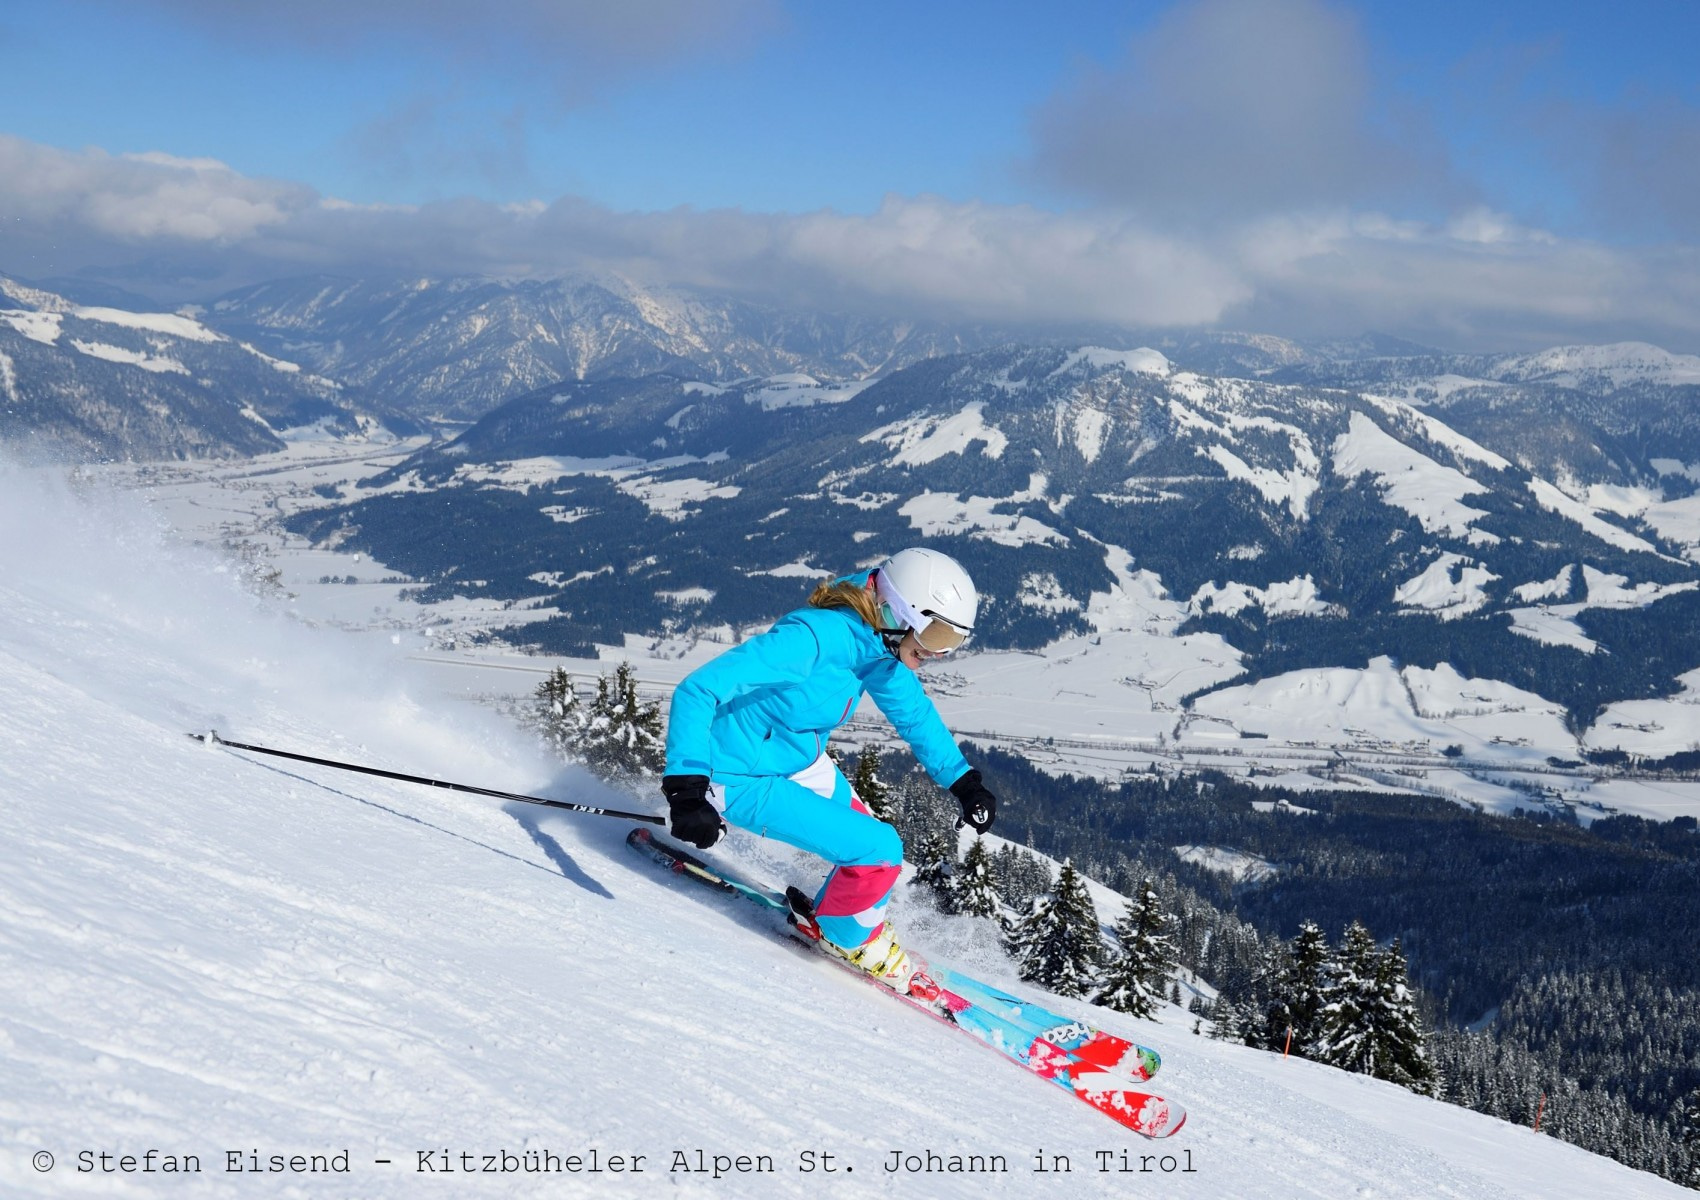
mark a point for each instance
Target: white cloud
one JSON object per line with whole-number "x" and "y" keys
{"x": 1008, "y": 263}
{"x": 139, "y": 196}
{"x": 1478, "y": 282}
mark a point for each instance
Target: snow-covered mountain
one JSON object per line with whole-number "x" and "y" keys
{"x": 1620, "y": 418}
{"x": 1595, "y": 367}
{"x": 93, "y": 382}
{"x": 1279, "y": 527}
{"x": 455, "y": 348}
{"x": 208, "y": 956}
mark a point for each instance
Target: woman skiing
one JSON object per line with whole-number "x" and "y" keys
{"x": 747, "y": 733}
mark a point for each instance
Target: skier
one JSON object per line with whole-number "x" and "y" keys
{"x": 747, "y": 733}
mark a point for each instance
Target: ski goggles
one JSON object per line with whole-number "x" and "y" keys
{"x": 935, "y": 635}
{"x": 939, "y": 636}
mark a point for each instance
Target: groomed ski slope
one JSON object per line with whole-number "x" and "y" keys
{"x": 202, "y": 953}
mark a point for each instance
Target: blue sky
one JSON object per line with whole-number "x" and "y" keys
{"x": 812, "y": 106}
{"x": 1199, "y": 137}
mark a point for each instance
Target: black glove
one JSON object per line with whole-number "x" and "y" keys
{"x": 979, "y": 807}
{"x": 695, "y": 820}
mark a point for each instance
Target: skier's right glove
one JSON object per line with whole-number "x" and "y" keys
{"x": 695, "y": 820}
{"x": 979, "y": 806}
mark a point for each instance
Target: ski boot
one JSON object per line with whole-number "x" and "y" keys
{"x": 880, "y": 956}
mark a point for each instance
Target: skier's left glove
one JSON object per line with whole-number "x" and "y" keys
{"x": 695, "y": 820}
{"x": 979, "y": 806}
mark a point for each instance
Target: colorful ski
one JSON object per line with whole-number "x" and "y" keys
{"x": 1063, "y": 1052}
{"x": 1082, "y": 1042}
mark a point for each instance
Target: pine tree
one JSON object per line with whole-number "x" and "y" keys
{"x": 919, "y": 809}
{"x": 1299, "y": 990}
{"x": 1686, "y": 1129}
{"x": 558, "y": 715}
{"x": 622, "y": 736}
{"x": 1229, "y": 1020}
{"x": 1347, "y": 1037}
{"x": 935, "y": 865}
{"x": 1134, "y": 981}
{"x": 1057, "y": 943}
{"x": 1404, "y": 1056}
{"x": 974, "y": 892}
{"x": 1370, "y": 1023}
{"x": 1021, "y": 876}
{"x": 868, "y": 786}
{"x": 1270, "y": 1015}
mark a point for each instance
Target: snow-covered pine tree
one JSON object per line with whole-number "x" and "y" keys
{"x": 1021, "y": 876}
{"x": 1370, "y": 1024}
{"x": 558, "y": 715}
{"x": 1685, "y": 1128}
{"x": 935, "y": 865}
{"x": 868, "y": 785}
{"x": 919, "y": 809}
{"x": 1057, "y": 944}
{"x": 1229, "y": 1020}
{"x": 622, "y": 736}
{"x": 974, "y": 892}
{"x": 1133, "y": 981}
{"x": 1270, "y": 1016}
{"x": 1346, "y": 1038}
{"x": 1404, "y": 1055}
{"x": 1298, "y": 992}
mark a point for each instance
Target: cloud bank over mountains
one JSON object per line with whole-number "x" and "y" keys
{"x": 183, "y": 229}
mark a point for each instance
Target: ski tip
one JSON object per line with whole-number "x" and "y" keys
{"x": 1158, "y": 1118}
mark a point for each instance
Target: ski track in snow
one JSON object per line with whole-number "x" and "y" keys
{"x": 203, "y": 952}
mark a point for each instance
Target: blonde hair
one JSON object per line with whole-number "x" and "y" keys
{"x": 844, "y": 594}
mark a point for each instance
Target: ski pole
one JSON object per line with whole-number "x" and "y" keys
{"x": 211, "y": 738}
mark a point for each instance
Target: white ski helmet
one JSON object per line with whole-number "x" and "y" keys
{"x": 929, "y": 593}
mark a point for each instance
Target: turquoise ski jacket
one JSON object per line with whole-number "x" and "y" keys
{"x": 768, "y": 706}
